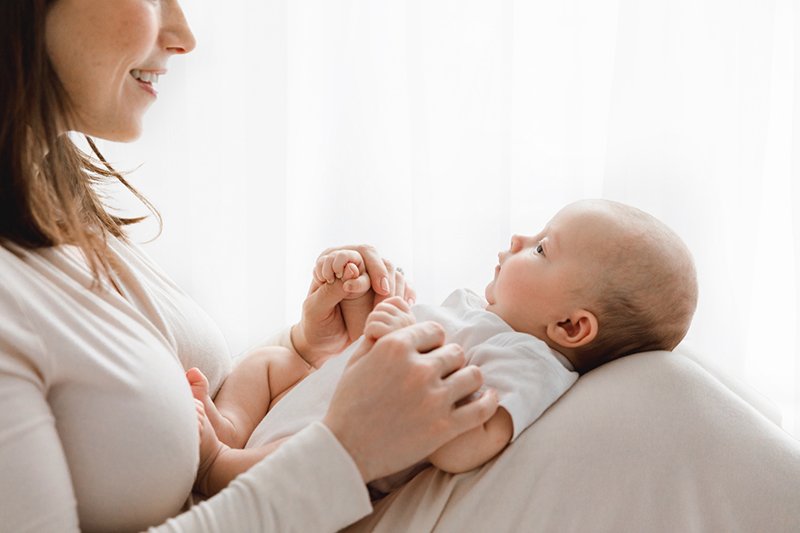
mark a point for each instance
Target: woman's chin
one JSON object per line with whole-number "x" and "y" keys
{"x": 121, "y": 133}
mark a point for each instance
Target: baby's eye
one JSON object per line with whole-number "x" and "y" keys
{"x": 539, "y": 249}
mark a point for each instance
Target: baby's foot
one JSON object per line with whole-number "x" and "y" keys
{"x": 198, "y": 382}
{"x": 210, "y": 448}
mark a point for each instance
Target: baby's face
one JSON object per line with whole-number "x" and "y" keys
{"x": 539, "y": 279}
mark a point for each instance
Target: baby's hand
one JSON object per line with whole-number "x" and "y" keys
{"x": 390, "y": 315}
{"x": 339, "y": 264}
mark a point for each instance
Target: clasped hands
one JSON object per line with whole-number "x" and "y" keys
{"x": 348, "y": 283}
{"x": 401, "y": 397}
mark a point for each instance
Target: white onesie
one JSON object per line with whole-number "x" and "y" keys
{"x": 527, "y": 374}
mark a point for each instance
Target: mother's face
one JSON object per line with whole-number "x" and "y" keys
{"x": 98, "y": 49}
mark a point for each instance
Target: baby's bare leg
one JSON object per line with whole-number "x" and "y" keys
{"x": 219, "y": 463}
{"x": 229, "y": 463}
{"x": 248, "y": 392}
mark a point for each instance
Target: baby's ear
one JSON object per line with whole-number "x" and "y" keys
{"x": 577, "y": 330}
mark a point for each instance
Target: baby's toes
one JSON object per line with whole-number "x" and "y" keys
{"x": 198, "y": 383}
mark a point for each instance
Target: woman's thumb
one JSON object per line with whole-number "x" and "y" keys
{"x": 325, "y": 297}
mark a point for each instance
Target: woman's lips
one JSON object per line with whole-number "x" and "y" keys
{"x": 147, "y": 87}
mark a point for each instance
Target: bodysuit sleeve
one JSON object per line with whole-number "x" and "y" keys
{"x": 527, "y": 375}
{"x": 310, "y": 484}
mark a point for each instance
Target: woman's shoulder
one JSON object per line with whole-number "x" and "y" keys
{"x": 18, "y": 335}
{"x": 16, "y": 272}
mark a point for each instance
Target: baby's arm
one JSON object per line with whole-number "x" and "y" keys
{"x": 258, "y": 380}
{"x": 474, "y": 448}
{"x": 219, "y": 463}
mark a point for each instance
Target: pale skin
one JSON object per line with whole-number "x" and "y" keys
{"x": 535, "y": 289}
{"x": 269, "y": 373}
{"x": 265, "y": 376}
{"x": 107, "y": 56}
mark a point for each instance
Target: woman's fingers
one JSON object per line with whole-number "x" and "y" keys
{"x": 447, "y": 359}
{"x": 405, "y": 379}
{"x": 476, "y": 412}
{"x": 463, "y": 382}
{"x": 399, "y": 284}
{"x": 422, "y": 338}
{"x": 411, "y": 295}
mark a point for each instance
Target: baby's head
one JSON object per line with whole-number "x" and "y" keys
{"x": 600, "y": 281}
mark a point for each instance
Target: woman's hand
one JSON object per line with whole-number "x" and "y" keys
{"x": 348, "y": 282}
{"x": 399, "y": 402}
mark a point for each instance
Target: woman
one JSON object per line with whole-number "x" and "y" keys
{"x": 97, "y": 427}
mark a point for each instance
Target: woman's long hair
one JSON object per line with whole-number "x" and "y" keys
{"x": 47, "y": 184}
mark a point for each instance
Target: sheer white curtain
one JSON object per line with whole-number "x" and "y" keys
{"x": 433, "y": 129}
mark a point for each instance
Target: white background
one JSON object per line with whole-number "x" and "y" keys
{"x": 434, "y": 129}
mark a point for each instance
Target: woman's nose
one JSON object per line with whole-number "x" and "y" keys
{"x": 176, "y": 34}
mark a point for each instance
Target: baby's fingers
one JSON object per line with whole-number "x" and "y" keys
{"x": 347, "y": 259}
{"x": 393, "y": 305}
{"x": 350, "y": 272}
{"x": 376, "y": 330}
{"x": 320, "y": 270}
{"x": 336, "y": 265}
{"x": 357, "y": 287}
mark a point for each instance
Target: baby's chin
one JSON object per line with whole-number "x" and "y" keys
{"x": 488, "y": 293}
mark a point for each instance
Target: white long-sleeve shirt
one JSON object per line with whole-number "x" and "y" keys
{"x": 98, "y": 430}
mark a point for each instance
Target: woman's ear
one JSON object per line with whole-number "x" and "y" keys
{"x": 579, "y": 329}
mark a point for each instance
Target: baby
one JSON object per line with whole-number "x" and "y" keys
{"x": 602, "y": 280}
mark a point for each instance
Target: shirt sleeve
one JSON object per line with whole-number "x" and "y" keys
{"x": 35, "y": 486}
{"x": 310, "y": 484}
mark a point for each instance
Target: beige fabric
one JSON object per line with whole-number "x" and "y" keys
{"x": 98, "y": 429}
{"x": 649, "y": 443}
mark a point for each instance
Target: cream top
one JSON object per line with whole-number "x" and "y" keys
{"x": 98, "y": 428}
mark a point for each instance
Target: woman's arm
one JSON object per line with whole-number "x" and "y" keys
{"x": 315, "y": 480}
{"x": 309, "y": 484}
{"x": 475, "y": 447}
{"x": 35, "y": 488}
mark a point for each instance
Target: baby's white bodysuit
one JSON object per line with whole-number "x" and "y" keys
{"x": 527, "y": 374}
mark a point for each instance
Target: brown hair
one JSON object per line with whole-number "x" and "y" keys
{"x": 645, "y": 291}
{"x": 47, "y": 184}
